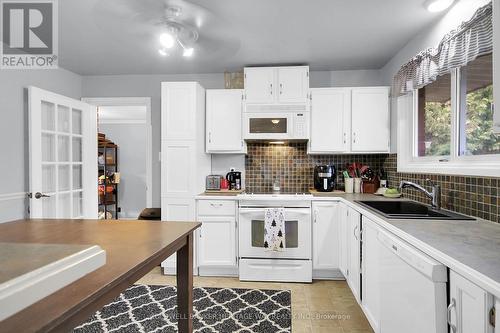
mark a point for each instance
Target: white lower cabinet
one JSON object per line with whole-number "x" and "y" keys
{"x": 343, "y": 240}
{"x": 217, "y": 245}
{"x": 326, "y": 224}
{"x": 354, "y": 246}
{"x": 470, "y": 308}
{"x": 370, "y": 281}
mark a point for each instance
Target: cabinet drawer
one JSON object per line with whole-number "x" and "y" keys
{"x": 216, "y": 207}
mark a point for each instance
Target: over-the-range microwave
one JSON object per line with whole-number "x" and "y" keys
{"x": 276, "y": 124}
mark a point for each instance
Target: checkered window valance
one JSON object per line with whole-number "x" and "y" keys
{"x": 472, "y": 39}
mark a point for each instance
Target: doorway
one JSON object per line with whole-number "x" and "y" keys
{"x": 126, "y": 121}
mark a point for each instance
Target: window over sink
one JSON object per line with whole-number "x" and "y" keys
{"x": 447, "y": 126}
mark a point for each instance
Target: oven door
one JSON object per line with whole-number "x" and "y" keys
{"x": 297, "y": 234}
{"x": 268, "y": 126}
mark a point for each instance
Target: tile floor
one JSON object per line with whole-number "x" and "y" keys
{"x": 323, "y": 306}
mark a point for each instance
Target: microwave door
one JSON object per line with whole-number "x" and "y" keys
{"x": 268, "y": 126}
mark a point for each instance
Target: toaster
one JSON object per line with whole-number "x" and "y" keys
{"x": 213, "y": 182}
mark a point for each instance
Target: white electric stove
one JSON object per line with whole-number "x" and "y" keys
{"x": 294, "y": 263}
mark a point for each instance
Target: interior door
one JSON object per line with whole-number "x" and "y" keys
{"x": 293, "y": 84}
{"x": 62, "y": 156}
{"x": 330, "y": 120}
{"x": 259, "y": 84}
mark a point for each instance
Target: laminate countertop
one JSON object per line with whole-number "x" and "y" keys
{"x": 470, "y": 248}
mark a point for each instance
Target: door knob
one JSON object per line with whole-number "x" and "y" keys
{"x": 38, "y": 195}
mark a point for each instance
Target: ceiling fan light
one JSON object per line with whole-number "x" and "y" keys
{"x": 163, "y": 52}
{"x": 188, "y": 52}
{"x": 167, "y": 40}
{"x": 435, "y": 6}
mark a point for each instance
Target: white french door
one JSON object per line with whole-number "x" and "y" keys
{"x": 63, "y": 156}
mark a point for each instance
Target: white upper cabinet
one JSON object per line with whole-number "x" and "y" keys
{"x": 326, "y": 239}
{"x": 178, "y": 118}
{"x": 270, "y": 85}
{"x": 370, "y": 119}
{"x": 469, "y": 308}
{"x": 260, "y": 84}
{"x": 330, "y": 120}
{"x": 293, "y": 84}
{"x": 224, "y": 121}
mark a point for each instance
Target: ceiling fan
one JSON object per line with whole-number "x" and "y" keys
{"x": 177, "y": 26}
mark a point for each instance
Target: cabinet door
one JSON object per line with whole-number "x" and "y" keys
{"x": 370, "y": 119}
{"x": 178, "y": 110}
{"x": 469, "y": 308}
{"x": 330, "y": 120}
{"x": 325, "y": 236}
{"x": 370, "y": 268}
{"x": 354, "y": 252}
{"x": 293, "y": 84}
{"x": 344, "y": 241}
{"x": 178, "y": 158}
{"x": 224, "y": 124}
{"x": 260, "y": 85}
{"x": 181, "y": 210}
{"x": 217, "y": 241}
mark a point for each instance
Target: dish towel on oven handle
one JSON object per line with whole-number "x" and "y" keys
{"x": 274, "y": 229}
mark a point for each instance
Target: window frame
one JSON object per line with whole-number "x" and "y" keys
{"x": 455, "y": 164}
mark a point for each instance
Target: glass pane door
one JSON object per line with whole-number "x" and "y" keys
{"x": 61, "y": 174}
{"x": 63, "y": 168}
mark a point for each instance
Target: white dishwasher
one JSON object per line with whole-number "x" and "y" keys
{"x": 412, "y": 291}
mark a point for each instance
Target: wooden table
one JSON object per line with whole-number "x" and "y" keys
{"x": 133, "y": 248}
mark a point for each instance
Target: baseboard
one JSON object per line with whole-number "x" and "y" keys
{"x": 12, "y": 206}
{"x": 218, "y": 271}
{"x": 327, "y": 274}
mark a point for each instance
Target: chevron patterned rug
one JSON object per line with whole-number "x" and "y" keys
{"x": 143, "y": 308}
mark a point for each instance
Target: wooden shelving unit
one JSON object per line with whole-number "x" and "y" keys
{"x": 108, "y": 187}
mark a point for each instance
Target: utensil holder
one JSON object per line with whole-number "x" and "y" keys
{"x": 357, "y": 185}
{"x": 349, "y": 185}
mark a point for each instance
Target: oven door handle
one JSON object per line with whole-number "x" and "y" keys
{"x": 299, "y": 211}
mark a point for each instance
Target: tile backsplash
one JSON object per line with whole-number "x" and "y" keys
{"x": 476, "y": 196}
{"x": 294, "y": 167}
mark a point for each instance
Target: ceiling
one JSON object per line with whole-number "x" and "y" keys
{"x": 115, "y": 36}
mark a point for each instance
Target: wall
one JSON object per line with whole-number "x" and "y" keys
{"x": 14, "y": 133}
{"x": 476, "y": 196}
{"x": 294, "y": 167}
{"x": 149, "y": 86}
{"x": 131, "y": 140}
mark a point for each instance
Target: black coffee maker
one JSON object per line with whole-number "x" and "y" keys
{"x": 234, "y": 180}
{"x": 324, "y": 178}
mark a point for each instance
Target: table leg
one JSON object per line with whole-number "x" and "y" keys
{"x": 185, "y": 286}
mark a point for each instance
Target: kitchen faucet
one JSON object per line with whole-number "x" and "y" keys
{"x": 435, "y": 195}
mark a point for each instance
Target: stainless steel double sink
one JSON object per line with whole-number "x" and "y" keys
{"x": 401, "y": 209}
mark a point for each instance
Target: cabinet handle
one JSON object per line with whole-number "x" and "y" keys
{"x": 493, "y": 316}
{"x": 209, "y": 137}
{"x": 345, "y": 137}
{"x": 271, "y": 88}
{"x": 450, "y": 307}
{"x": 215, "y": 205}
{"x": 315, "y": 216}
{"x": 281, "y": 88}
{"x": 354, "y": 233}
{"x": 354, "y": 137}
